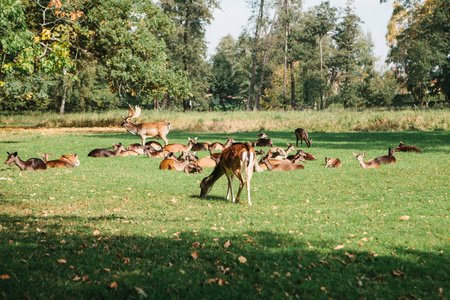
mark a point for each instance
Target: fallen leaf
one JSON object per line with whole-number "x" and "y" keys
{"x": 227, "y": 244}
{"x": 195, "y": 245}
{"x": 4, "y": 277}
{"x": 242, "y": 259}
{"x": 194, "y": 255}
{"x": 96, "y": 232}
{"x": 76, "y": 278}
{"x": 397, "y": 273}
{"x": 404, "y": 218}
{"x": 140, "y": 292}
{"x": 114, "y": 285}
{"x": 338, "y": 247}
{"x": 62, "y": 261}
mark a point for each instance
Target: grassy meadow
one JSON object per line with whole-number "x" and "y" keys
{"x": 122, "y": 228}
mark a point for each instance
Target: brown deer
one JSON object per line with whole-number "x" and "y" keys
{"x": 106, "y": 152}
{"x": 281, "y": 152}
{"x": 220, "y": 147}
{"x": 154, "y": 144}
{"x": 65, "y": 161}
{"x": 302, "y": 135}
{"x": 140, "y": 149}
{"x": 145, "y": 130}
{"x": 402, "y": 148}
{"x": 366, "y": 165}
{"x": 125, "y": 152}
{"x": 387, "y": 159}
{"x": 332, "y": 163}
{"x": 32, "y": 164}
{"x": 201, "y": 146}
{"x": 208, "y": 161}
{"x": 179, "y": 164}
{"x": 236, "y": 160}
{"x": 285, "y": 166}
{"x": 161, "y": 153}
{"x": 263, "y": 141}
{"x": 179, "y": 147}
{"x": 193, "y": 168}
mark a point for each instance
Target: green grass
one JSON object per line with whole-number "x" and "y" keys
{"x": 122, "y": 228}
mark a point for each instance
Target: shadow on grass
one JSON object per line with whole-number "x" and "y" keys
{"x": 41, "y": 258}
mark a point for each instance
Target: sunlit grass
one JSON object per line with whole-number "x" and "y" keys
{"x": 122, "y": 228}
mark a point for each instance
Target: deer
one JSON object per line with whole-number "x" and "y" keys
{"x": 179, "y": 164}
{"x": 402, "y": 148}
{"x": 282, "y": 153}
{"x": 302, "y": 135}
{"x": 154, "y": 144}
{"x": 161, "y": 153}
{"x": 332, "y": 163}
{"x": 125, "y": 152}
{"x": 32, "y": 164}
{"x": 366, "y": 165}
{"x": 263, "y": 141}
{"x": 106, "y": 152}
{"x": 145, "y": 130}
{"x": 208, "y": 161}
{"x": 140, "y": 149}
{"x": 220, "y": 147}
{"x": 387, "y": 159}
{"x": 201, "y": 146}
{"x": 236, "y": 160}
{"x": 179, "y": 147}
{"x": 193, "y": 168}
{"x": 65, "y": 161}
{"x": 285, "y": 166}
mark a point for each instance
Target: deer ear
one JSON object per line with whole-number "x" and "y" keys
{"x": 15, "y": 154}
{"x": 354, "y": 154}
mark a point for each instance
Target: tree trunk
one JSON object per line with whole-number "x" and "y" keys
{"x": 255, "y": 56}
{"x": 293, "y": 102}
{"x": 266, "y": 57}
{"x": 321, "y": 72}
{"x": 64, "y": 96}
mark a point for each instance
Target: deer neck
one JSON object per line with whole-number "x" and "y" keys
{"x": 227, "y": 143}
{"x": 20, "y": 163}
{"x": 130, "y": 127}
{"x": 117, "y": 151}
{"x": 269, "y": 165}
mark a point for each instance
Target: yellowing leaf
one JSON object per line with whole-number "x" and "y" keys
{"x": 194, "y": 255}
{"x": 404, "y": 218}
{"x": 96, "y": 232}
{"x": 61, "y": 261}
{"x": 338, "y": 247}
{"x": 4, "y": 277}
{"x": 242, "y": 259}
{"x": 227, "y": 244}
{"x": 113, "y": 285}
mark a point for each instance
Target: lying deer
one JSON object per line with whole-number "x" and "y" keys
{"x": 220, "y": 147}
{"x": 208, "y": 161}
{"x": 125, "y": 152}
{"x": 332, "y": 163}
{"x": 402, "y": 148}
{"x": 387, "y": 159}
{"x": 145, "y": 130}
{"x": 179, "y": 164}
{"x": 65, "y": 161}
{"x": 282, "y": 154}
{"x": 140, "y": 149}
{"x": 106, "y": 152}
{"x": 236, "y": 160}
{"x": 285, "y": 166}
{"x": 179, "y": 147}
{"x": 302, "y": 135}
{"x": 32, "y": 164}
{"x": 369, "y": 164}
{"x": 154, "y": 144}
{"x": 263, "y": 141}
{"x": 193, "y": 168}
{"x": 201, "y": 146}
{"x": 160, "y": 153}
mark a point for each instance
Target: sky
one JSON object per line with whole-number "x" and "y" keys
{"x": 234, "y": 14}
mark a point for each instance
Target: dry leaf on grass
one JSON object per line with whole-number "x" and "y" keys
{"x": 404, "y": 218}
{"x": 4, "y": 277}
{"x": 96, "y": 232}
{"x": 338, "y": 247}
{"x": 61, "y": 261}
{"x": 227, "y": 244}
{"x": 242, "y": 259}
{"x": 194, "y": 255}
{"x": 397, "y": 273}
{"x": 113, "y": 285}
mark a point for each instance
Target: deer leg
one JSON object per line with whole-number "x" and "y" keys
{"x": 230, "y": 188}
{"x": 165, "y": 141}
{"x": 241, "y": 186}
{"x": 143, "y": 140}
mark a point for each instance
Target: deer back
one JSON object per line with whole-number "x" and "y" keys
{"x": 180, "y": 147}
{"x": 332, "y": 163}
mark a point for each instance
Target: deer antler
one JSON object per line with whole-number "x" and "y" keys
{"x": 133, "y": 113}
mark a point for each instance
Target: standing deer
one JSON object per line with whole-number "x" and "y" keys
{"x": 236, "y": 160}
{"x": 106, "y": 152}
{"x": 302, "y": 135}
{"x": 32, "y": 164}
{"x": 145, "y": 130}
{"x": 220, "y": 147}
{"x": 402, "y": 148}
{"x": 366, "y": 165}
{"x": 332, "y": 163}
{"x": 179, "y": 147}
{"x": 387, "y": 159}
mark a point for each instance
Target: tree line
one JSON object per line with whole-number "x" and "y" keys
{"x": 89, "y": 55}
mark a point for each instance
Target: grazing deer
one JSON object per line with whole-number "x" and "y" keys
{"x": 208, "y": 161}
{"x": 65, "y": 161}
{"x": 402, "y": 148}
{"x": 154, "y": 144}
{"x": 369, "y": 164}
{"x": 179, "y": 147}
{"x": 32, "y": 164}
{"x": 220, "y": 147}
{"x": 387, "y": 159}
{"x": 236, "y": 160}
{"x": 106, "y": 152}
{"x": 145, "y": 130}
{"x": 179, "y": 164}
{"x": 332, "y": 163}
{"x": 285, "y": 166}
{"x": 193, "y": 168}
{"x": 302, "y": 135}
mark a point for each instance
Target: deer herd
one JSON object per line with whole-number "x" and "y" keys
{"x": 231, "y": 158}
